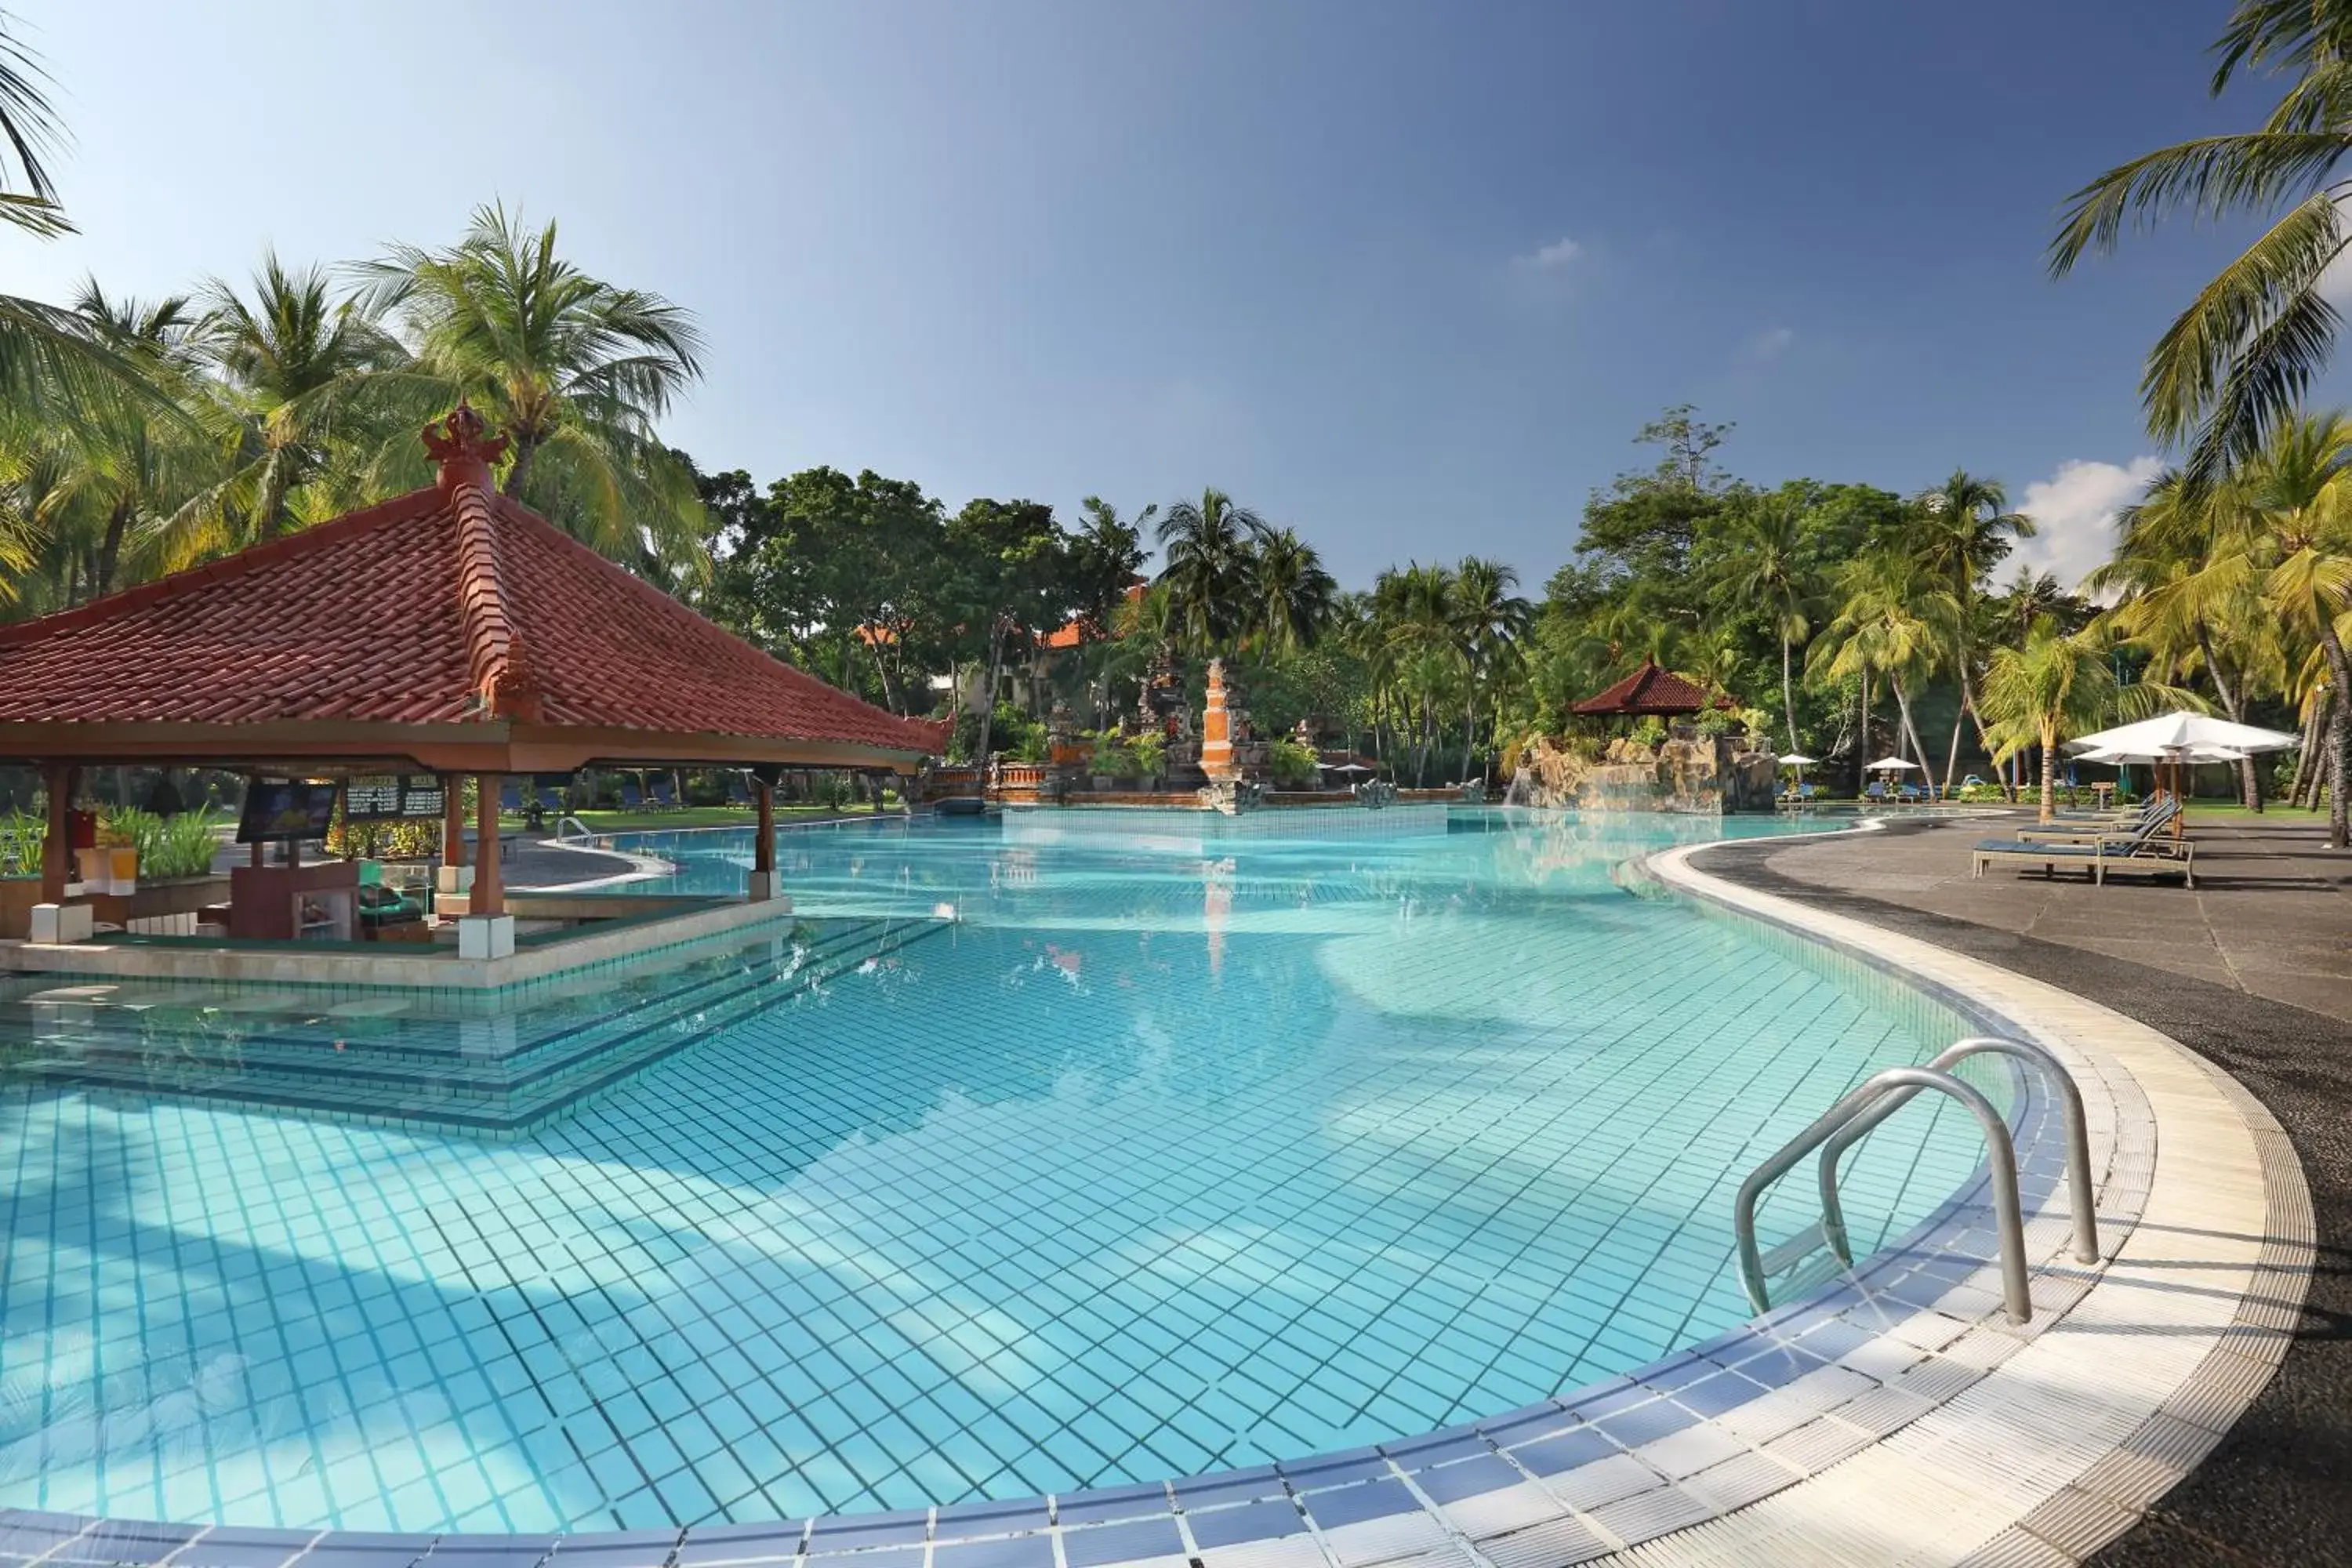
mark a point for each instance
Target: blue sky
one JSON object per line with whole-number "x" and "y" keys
{"x": 1407, "y": 276}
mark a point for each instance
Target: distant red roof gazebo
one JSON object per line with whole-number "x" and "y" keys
{"x": 451, "y": 630}
{"x": 1650, "y": 692}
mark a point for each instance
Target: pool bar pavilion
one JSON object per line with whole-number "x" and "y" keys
{"x": 431, "y": 649}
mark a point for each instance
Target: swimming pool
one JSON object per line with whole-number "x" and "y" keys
{"x": 1013, "y": 1167}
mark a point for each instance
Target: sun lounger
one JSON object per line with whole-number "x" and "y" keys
{"x": 2147, "y": 849}
{"x": 632, "y": 797}
{"x": 551, "y": 799}
{"x": 511, "y": 798}
{"x": 665, "y": 797}
{"x": 739, "y": 791}
{"x": 2154, "y": 818}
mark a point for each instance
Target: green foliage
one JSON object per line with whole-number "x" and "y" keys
{"x": 1150, "y": 753}
{"x": 178, "y": 845}
{"x": 22, "y": 835}
{"x": 1294, "y": 764}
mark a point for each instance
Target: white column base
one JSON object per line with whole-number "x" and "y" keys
{"x": 768, "y": 888}
{"x": 486, "y": 936}
{"x": 453, "y": 879}
{"x": 61, "y": 922}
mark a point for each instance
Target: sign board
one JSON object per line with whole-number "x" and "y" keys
{"x": 283, "y": 809}
{"x": 385, "y": 797}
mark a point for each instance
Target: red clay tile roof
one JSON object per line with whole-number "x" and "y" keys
{"x": 1648, "y": 689}
{"x": 448, "y": 604}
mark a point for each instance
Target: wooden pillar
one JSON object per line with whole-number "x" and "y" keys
{"x": 763, "y": 848}
{"x": 453, "y": 819}
{"x": 56, "y": 854}
{"x": 489, "y": 895}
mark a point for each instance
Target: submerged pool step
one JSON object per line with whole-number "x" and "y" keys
{"x": 502, "y": 1096}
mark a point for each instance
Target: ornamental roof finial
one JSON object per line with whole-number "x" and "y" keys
{"x": 464, "y": 447}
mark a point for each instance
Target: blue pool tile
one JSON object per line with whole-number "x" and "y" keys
{"x": 856, "y": 1531}
{"x": 1353, "y": 1505}
{"x": 1231, "y": 1486}
{"x": 1552, "y": 1455}
{"x": 232, "y": 1547}
{"x": 1105, "y": 1544}
{"x": 24, "y": 1533}
{"x": 647, "y": 1549}
{"x": 707, "y": 1544}
{"x": 972, "y": 1519}
{"x": 1110, "y": 1503}
{"x": 1009, "y": 1552}
{"x": 1250, "y": 1522}
{"x": 131, "y": 1545}
{"x": 1450, "y": 1483}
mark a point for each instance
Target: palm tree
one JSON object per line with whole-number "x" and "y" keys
{"x": 1292, "y": 596}
{"x": 2230, "y": 369}
{"x": 572, "y": 371}
{"x": 1490, "y": 621}
{"x": 1967, "y": 530}
{"x": 2056, "y": 685}
{"x": 131, "y": 467}
{"x": 2295, "y": 540}
{"x": 50, "y": 360}
{"x": 300, "y": 369}
{"x": 2186, "y": 616}
{"x": 1209, "y": 552}
{"x": 1895, "y": 620}
{"x": 1764, "y": 571}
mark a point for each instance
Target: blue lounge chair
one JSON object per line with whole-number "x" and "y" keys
{"x": 2147, "y": 843}
{"x": 1877, "y": 789}
{"x": 1910, "y": 793}
{"x": 511, "y": 798}
{"x": 632, "y": 797}
{"x": 738, "y": 790}
{"x": 551, "y": 798}
{"x": 665, "y": 797}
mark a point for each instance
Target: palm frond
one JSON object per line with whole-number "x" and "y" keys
{"x": 2209, "y": 178}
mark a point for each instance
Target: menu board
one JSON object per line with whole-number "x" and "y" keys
{"x": 382, "y": 797}
{"x": 421, "y": 794}
{"x": 285, "y": 808}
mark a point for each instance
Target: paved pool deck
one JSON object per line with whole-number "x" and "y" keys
{"x": 2254, "y": 972}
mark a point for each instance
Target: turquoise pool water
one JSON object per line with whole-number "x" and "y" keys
{"x": 1017, "y": 1166}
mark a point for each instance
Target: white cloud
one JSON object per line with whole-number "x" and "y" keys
{"x": 2075, "y": 513}
{"x": 1549, "y": 258}
{"x": 1772, "y": 343}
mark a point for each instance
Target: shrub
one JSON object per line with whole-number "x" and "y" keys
{"x": 177, "y": 846}
{"x": 1111, "y": 758}
{"x": 1150, "y": 754}
{"x": 22, "y": 833}
{"x": 1294, "y": 764}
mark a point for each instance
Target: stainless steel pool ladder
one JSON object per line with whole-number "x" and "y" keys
{"x": 1881, "y": 1096}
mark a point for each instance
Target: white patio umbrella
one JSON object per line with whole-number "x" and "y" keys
{"x": 2175, "y": 732}
{"x": 1891, "y": 765}
{"x": 1798, "y": 760}
{"x": 2119, "y": 755}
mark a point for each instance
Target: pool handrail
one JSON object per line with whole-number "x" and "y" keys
{"x": 2078, "y": 1140}
{"x": 2002, "y": 1156}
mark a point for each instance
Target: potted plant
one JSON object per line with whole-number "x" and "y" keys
{"x": 1108, "y": 760}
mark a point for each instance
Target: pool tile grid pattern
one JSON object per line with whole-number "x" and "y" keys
{"x": 590, "y": 1232}
{"x": 1672, "y": 1455}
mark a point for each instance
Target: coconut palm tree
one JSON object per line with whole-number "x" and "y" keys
{"x": 50, "y": 360}
{"x": 2054, "y": 685}
{"x": 300, "y": 371}
{"x": 1291, "y": 596}
{"x": 2188, "y": 616}
{"x": 2295, "y": 538}
{"x": 1209, "y": 552}
{"x": 1490, "y": 621}
{"x": 1764, "y": 571}
{"x": 1894, "y": 619}
{"x": 2232, "y": 367}
{"x": 1966, "y": 530}
{"x": 572, "y": 370}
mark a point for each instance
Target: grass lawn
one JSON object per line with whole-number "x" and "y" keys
{"x": 2231, "y": 811}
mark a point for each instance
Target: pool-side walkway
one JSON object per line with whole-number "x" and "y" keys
{"x": 2254, "y": 972}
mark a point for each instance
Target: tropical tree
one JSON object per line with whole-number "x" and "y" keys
{"x": 1765, "y": 571}
{"x": 1491, "y": 622}
{"x": 1895, "y": 620}
{"x": 1966, "y": 530}
{"x": 572, "y": 371}
{"x": 2294, "y": 537}
{"x": 2232, "y": 366}
{"x": 1209, "y": 552}
{"x": 299, "y": 370}
{"x": 1291, "y": 596}
{"x": 2058, "y": 684}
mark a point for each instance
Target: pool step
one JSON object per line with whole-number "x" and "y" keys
{"x": 500, "y": 1095}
